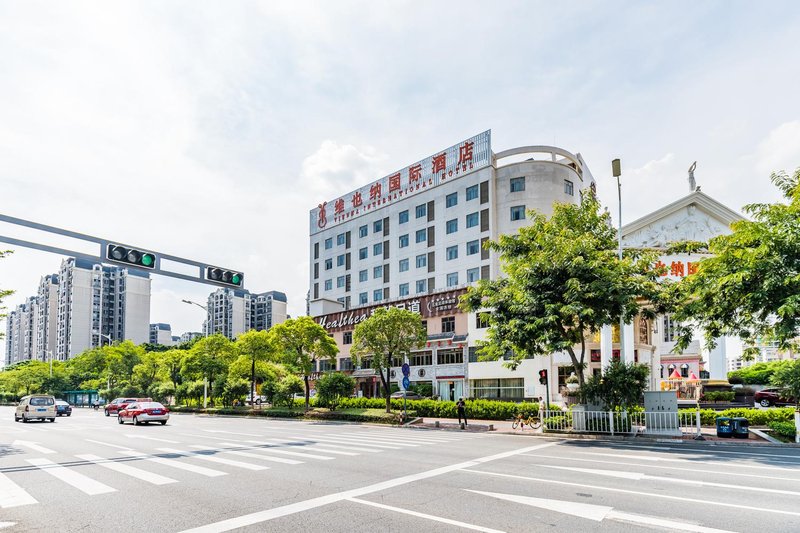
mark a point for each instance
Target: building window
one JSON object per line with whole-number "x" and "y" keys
{"x": 684, "y": 370}
{"x": 452, "y": 253}
{"x": 421, "y": 210}
{"x": 403, "y": 265}
{"x": 328, "y": 263}
{"x": 449, "y": 324}
{"x": 363, "y": 276}
{"x": 340, "y": 282}
{"x": 362, "y": 298}
{"x": 472, "y": 192}
{"x": 498, "y": 389}
{"x": 403, "y": 289}
{"x": 377, "y": 272}
{"x": 345, "y": 363}
{"x": 340, "y": 260}
{"x": 422, "y": 235}
{"x": 363, "y": 253}
{"x": 347, "y": 338}
{"x": 362, "y": 231}
{"x": 403, "y": 241}
{"x": 421, "y": 285}
{"x": 569, "y": 188}
{"x": 669, "y": 329}
{"x": 421, "y": 358}
{"x": 452, "y": 279}
{"x": 451, "y": 199}
{"x": 377, "y": 248}
{"x": 403, "y": 217}
{"x": 473, "y": 247}
{"x": 422, "y": 261}
{"x": 328, "y": 284}
{"x": 451, "y": 226}
{"x": 329, "y": 243}
{"x": 517, "y": 212}
{"x": 472, "y": 220}
{"x": 450, "y": 356}
{"x": 377, "y": 295}
{"x": 517, "y": 184}
{"x": 340, "y": 239}
{"x": 473, "y": 275}
{"x": 377, "y": 226}
{"x": 481, "y": 320}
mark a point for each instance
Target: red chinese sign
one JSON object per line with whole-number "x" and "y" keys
{"x": 677, "y": 268}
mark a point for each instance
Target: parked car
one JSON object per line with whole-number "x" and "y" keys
{"x": 409, "y": 395}
{"x": 260, "y": 398}
{"x": 118, "y": 404}
{"x": 143, "y": 413}
{"x": 63, "y": 408}
{"x": 36, "y": 407}
{"x": 767, "y": 397}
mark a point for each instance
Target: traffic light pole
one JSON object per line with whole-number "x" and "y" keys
{"x": 202, "y": 270}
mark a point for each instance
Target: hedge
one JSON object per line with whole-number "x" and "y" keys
{"x": 756, "y": 417}
{"x": 786, "y": 430}
{"x": 367, "y": 415}
{"x": 476, "y": 409}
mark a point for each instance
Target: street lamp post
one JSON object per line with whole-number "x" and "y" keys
{"x": 205, "y": 334}
{"x": 616, "y": 170}
{"x": 110, "y": 341}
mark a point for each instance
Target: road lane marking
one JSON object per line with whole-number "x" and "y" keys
{"x": 339, "y": 440}
{"x": 598, "y": 513}
{"x": 638, "y": 493}
{"x": 395, "y": 438}
{"x": 271, "y": 448}
{"x": 301, "y": 446}
{"x": 134, "y": 436}
{"x": 668, "y": 467}
{"x": 33, "y": 446}
{"x": 285, "y": 510}
{"x": 456, "y": 523}
{"x": 639, "y": 476}
{"x": 232, "y": 433}
{"x": 698, "y": 451}
{"x": 374, "y": 440}
{"x": 247, "y": 454}
{"x": 699, "y": 461}
{"x": 12, "y": 495}
{"x": 128, "y": 470}
{"x": 317, "y": 442}
{"x": 6, "y": 524}
{"x": 83, "y": 483}
{"x": 107, "y": 444}
{"x": 220, "y": 460}
{"x": 172, "y": 463}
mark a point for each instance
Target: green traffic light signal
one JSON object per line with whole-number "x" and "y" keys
{"x": 148, "y": 260}
{"x": 123, "y": 254}
{"x": 236, "y": 279}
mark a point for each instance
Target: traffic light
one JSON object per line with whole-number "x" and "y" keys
{"x": 131, "y": 256}
{"x": 543, "y": 376}
{"x": 226, "y": 277}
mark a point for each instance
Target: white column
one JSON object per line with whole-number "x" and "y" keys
{"x": 717, "y": 361}
{"x": 627, "y": 350}
{"x": 605, "y": 345}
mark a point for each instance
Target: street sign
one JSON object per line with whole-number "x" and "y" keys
{"x": 406, "y": 382}
{"x": 406, "y": 369}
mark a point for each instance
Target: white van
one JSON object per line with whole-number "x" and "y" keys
{"x": 36, "y": 406}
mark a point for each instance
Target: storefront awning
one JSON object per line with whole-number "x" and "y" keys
{"x": 364, "y": 373}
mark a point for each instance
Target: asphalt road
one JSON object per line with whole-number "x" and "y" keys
{"x": 87, "y": 473}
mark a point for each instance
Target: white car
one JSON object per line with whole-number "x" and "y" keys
{"x": 143, "y": 413}
{"x": 36, "y": 407}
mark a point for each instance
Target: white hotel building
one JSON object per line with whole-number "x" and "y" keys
{"x": 415, "y": 238}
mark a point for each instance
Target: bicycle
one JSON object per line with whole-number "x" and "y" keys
{"x": 521, "y": 420}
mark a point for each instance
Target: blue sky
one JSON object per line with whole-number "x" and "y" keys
{"x": 209, "y": 129}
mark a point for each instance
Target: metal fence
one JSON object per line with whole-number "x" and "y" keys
{"x": 622, "y": 423}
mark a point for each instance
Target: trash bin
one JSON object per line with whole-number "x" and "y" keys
{"x": 724, "y": 427}
{"x": 741, "y": 427}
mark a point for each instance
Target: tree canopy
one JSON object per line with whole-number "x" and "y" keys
{"x": 563, "y": 281}
{"x": 750, "y": 286}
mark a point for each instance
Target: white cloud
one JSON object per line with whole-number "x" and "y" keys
{"x": 780, "y": 150}
{"x": 335, "y": 169}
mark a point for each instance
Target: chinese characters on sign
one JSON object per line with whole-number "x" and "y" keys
{"x": 473, "y": 154}
{"x": 677, "y": 268}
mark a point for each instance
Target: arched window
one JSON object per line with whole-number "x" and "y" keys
{"x": 684, "y": 370}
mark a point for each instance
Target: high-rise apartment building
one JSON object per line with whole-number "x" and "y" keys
{"x": 232, "y": 312}
{"x": 46, "y": 317}
{"x": 189, "y": 336}
{"x": 161, "y": 333}
{"x": 20, "y": 330}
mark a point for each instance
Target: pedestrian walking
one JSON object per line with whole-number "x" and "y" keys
{"x": 462, "y": 413}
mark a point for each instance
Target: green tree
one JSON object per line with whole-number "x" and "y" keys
{"x": 332, "y": 386}
{"x": 148, "y": 371}
{"x": 234, "y": 389}
{"x": 208, "y": 359}
{"x": 563, "y": 281}
{"x": 172, "y": 361}
{"x": 750, "y": 285}
{"x": 787, "y": 378}
{"x": 388, "y": 334}
{"x": 621, "y": 386}
{"x": 287, "y": 387}
{"x": 255, "y": 346}
{"x": 304, "y": 342}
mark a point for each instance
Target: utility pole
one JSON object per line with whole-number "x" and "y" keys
{"x": 205, "y": 334}
{"x": 616, "y": 170}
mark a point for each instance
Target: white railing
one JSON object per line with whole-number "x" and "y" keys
{"x": 622, "y": 423}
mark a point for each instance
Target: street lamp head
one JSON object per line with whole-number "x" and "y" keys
{"x": 616, "y": 168}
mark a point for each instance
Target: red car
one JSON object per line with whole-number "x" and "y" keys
{"x": 767, "y": 397}
{"x": 144, "y": 413}
{"x": 120, "y": 403}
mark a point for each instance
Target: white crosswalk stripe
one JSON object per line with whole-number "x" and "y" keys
{"x": 372, "y": 440}
{"x": 243, "y": 453}
{"x": 128, "y": 470}
{"x": 12, "y": 495}
{"x": 301, "y": 446}
{"x": 83, "y": 483}
{"x": 339, "y": 445}
{"x": 173, "y": 463}
{"x": 356, "y": 444}
{"x": 210, "y": 458}
{"x": 271, "y": 448}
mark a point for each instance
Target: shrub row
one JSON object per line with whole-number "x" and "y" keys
{"x": 784, "y": 429}
{"x": 718, "y": 396}
{"x": 756, "y": 417}
{"x": 477, "y": 409}
{"x": 316, "y": 414}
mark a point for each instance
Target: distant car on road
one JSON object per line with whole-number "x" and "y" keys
{"x": 409, "y": 395}
{"x": 767, "y": 397}
{"x": 36, "y": 406}
{"x": 144, "y": 413}
{"x": 120, "y": 403}
{"x": 63, "y": 408}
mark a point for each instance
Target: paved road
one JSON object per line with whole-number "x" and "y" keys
{"x": 87, "y": 473}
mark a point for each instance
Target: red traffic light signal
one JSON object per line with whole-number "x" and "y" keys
{"x": 543, "y": 376}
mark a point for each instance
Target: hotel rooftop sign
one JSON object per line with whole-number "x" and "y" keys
{"x": 472, "y": 154}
